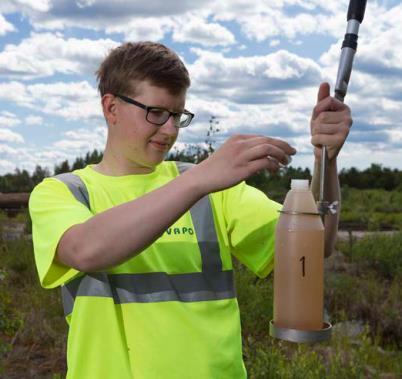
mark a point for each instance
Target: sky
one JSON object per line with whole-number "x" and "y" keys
{"x": 254, "y": 65}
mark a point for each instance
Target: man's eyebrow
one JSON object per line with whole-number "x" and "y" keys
{"x": 182, "y": 109}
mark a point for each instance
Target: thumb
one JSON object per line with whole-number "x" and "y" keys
{"x": 323, "y": 91}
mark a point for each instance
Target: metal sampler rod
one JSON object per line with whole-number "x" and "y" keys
{"x": 349, "y": 46}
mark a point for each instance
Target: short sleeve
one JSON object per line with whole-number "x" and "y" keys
{"x": 251, "y": 219}
{"x": 53, "y": 210}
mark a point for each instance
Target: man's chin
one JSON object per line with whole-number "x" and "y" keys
{"x": 153, "y": 162}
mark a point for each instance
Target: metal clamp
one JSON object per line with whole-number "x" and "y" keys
{"x": 299, "y": 213}
{"x": 324, "y": 207}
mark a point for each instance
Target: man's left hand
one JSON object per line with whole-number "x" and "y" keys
{"x": 330, "y": 123}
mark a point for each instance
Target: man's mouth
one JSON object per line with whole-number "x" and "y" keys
{"x": 160, "y": 145}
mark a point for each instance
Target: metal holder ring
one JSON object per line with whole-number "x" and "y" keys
{"x": 301, "y": 336}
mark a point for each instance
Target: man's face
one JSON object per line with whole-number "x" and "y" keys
{"x": 139, "y": 142}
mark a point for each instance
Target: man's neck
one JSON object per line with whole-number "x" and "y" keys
{"x": 114, "y": 165}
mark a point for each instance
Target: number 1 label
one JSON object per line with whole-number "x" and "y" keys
{"x": 303, "y": 261}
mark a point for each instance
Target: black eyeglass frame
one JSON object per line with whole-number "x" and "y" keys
{"x": 149, "y": 109}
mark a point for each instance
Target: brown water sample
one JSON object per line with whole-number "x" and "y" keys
{"x": 299, "y": 262}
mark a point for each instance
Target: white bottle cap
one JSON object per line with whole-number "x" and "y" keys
{"x": 301, "y": 184}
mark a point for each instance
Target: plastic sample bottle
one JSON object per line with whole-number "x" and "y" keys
{"x": 299, "y": 262}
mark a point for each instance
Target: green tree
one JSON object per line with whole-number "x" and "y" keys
{"x": 39, "y": 174}
{"x": 63, "y": 167}
{"x": 78, "y": 163}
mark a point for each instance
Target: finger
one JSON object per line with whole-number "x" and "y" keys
{"x": 328, "y": 104}
{"x": 262, "y": 164}
{"x": 284, "y": 146}
{"x": 261, "y": 140}
{"x": 328, "y": 129}
{"x": 323, "y": 91}
{"x": 245, "y": 136}
{"x": 266, "y": 150}
{"x": 328, "y": 117}
{"x": 334, "y": 140}
{"x": 281, "y": 165}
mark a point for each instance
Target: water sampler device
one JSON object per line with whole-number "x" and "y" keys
{"x": 299, "y": 250}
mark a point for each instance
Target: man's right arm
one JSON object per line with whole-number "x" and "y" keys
{"x": 108, "y": 238}
{"x": 113, "y": 236}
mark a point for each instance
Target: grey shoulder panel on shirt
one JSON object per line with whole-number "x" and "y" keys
{"x": 79, "y": 190}
{"x": 76, "y": 186}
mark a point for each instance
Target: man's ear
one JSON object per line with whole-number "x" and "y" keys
{"x": 109, "y": 108}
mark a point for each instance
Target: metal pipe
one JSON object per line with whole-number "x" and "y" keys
{"x": 355, "y": 17}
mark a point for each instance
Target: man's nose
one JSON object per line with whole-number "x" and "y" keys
{"x": 169, "y": 127}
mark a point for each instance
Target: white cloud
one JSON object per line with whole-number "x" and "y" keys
{"x": 80, "y": 141}
{"x": 74, "y": 143}
{"x": 8, "y": 114}
{"x": 46, "y": 54}
{"x": 153, "y": 20}
{"x": 7, "y": 151}
{"x": 5, "y": 26}
{"x": 6, "y": 166}
{"x": 255, "y": 80}
{"x": 274, "y": 42}
{"x": 14, "y": 91}
{"x": 38, "y": 5}
{"x": 262, "y": 20}
{"x": 85, "y": 3}
{"x": 8, "y": 119}
{"x": 28, "y": 157}
{"x": 142, "y": 28}
{"x": 72, "y": 101}
{"x": 258, "y": 20}
{"x": 275, "y": 23}
{"x": 196, "y": 30}
{"x": 102, "y": 14}
{"x": 25, "y": 6}
{"x": 362, "y": 155}
{"x": 7, "y": 135}
{"x": 34, "y": 120}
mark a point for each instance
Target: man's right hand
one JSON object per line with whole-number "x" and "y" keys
{"x": 240, "y": 157}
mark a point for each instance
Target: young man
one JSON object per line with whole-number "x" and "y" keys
{"x": 142, "y": 247}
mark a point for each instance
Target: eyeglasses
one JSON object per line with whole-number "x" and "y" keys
{"x": 159, "y": 116}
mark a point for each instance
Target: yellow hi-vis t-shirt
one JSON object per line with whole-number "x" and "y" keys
{"x": 165, "y": 339}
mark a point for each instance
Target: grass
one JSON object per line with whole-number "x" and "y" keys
{"x": 381, "y": 254}
{"x": 32, "y": 327}
{"x": 364, "y": 287}
{"x": 372, "y": 209}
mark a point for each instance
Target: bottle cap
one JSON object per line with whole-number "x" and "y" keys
{"x": 299, "y": 184}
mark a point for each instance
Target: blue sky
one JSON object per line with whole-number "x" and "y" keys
{"x": 255, "y": 65}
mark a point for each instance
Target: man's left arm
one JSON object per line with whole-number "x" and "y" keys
{"x": 330, "y": 124}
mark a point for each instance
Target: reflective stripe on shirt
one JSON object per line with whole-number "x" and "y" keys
{"x": 150, "y": 287}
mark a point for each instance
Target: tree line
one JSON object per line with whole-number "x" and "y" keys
{"x": 22, "y": 181}
{"x": 374, "y": 177}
